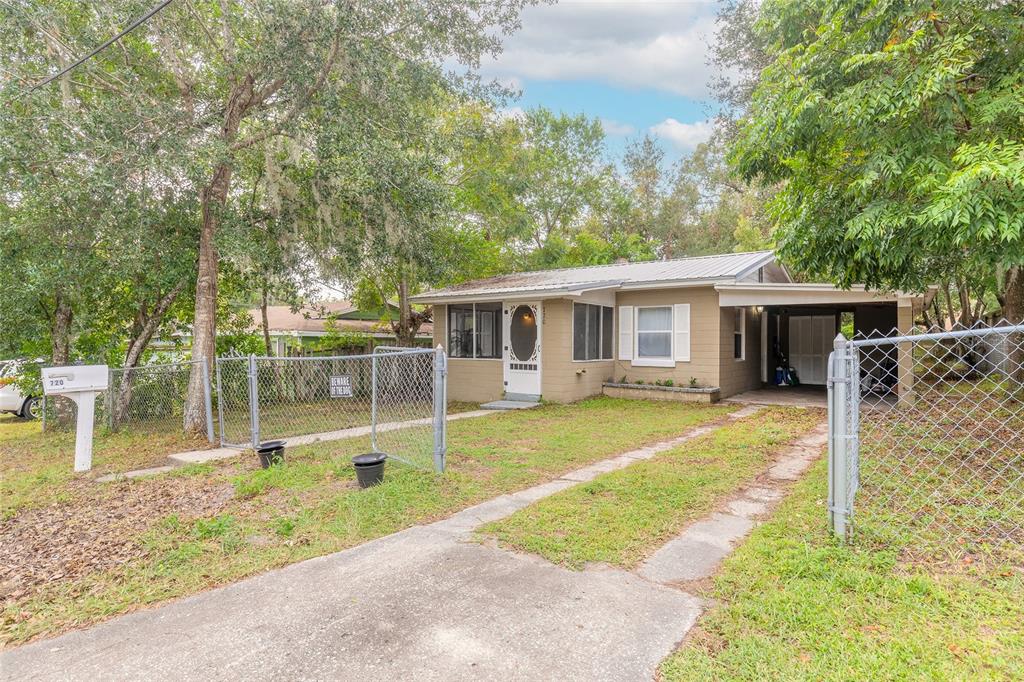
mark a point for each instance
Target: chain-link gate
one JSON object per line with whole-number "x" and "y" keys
{"x": 926, "y": 437}
{"x": 396, "y": 396}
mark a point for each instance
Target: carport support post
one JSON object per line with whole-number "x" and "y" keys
{"x": 440, "y": 408}
{"x": 254, "y": 404}
{"x": 838, "y": 438}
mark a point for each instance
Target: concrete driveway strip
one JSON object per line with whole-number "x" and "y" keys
{"x": 419, "y": 604}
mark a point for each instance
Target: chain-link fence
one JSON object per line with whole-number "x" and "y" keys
{"x": 927, "y": 438}
{"x": 152, "y": 397}
{"x": 394, "y": 396}
{"x": 147, "y": 398}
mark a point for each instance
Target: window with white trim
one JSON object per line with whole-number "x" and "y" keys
{"x": 654, "y": 333}
{"x": 739, "y": 333}
{"x": 474, "y": 330}
{"x": 591, "y": 332}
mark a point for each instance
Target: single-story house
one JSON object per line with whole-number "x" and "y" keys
{"x": 719, "y": 322}
{"x": 292, "y": 329}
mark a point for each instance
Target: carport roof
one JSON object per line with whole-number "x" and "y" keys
{"x": 793, "y": 293}
{"x": 572, "y": 281}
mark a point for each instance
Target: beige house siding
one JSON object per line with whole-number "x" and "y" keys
{"x": 563, "y": 380}
{"x": 471, "y": 381}
{"x": 705, "y": 321}
{"x": 736, "y": 376}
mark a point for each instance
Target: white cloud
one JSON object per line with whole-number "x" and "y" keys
{"x": 660, "y": 45}
{"x": 615, "y": 128}
{"x": 683, "y": 136}
{"x": 511, "y": 112}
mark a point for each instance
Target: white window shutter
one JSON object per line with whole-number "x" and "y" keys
{"x": 625, "y": 332}
{"x": 681, "y": 324}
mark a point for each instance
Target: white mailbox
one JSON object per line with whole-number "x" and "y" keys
{"x": 80, "y": 383}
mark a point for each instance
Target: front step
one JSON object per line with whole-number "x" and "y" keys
{"x": 510, "y": 405}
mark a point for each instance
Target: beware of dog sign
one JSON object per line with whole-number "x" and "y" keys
{"x": 341, "y": 386}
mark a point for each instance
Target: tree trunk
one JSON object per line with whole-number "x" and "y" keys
{"x": 146, "y": 328}
{"x": 60, "y": 354}
{"x": 1013, "y": 312}
{"x": 204, "y": 328}
{"x": 965, "y": 304}
{"x": 265, "y": 321}
{"x": 1013, "y": 306}
{"x": 60, "y": 332}
{"x": 404, "y": 314}
{"x": 949, "y": 305}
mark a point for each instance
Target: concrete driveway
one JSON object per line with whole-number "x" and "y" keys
{"x": 423, "y": 604}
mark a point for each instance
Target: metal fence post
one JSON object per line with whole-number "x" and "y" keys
{"x": 440, "y": 408}
{"x": 838, "y": 419}
{"x": 209, "y": 401}
{"x": 220, "y": 402}
{"x": 373, "y": 402}
{"x": 254, "y": 404}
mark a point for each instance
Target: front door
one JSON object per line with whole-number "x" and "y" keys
{"x": 522, "y": 349}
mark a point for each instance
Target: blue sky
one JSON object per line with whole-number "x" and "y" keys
{"x": 640, "y": 66}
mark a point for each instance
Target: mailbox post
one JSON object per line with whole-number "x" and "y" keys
{"x": 80, "y": 383}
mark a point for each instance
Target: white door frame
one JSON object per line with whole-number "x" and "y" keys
{"x": 521, "y": 378}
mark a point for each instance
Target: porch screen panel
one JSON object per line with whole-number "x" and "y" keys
{"x": 488, "y": 330}
{"x": 593, "y": 332}
{"x": 460, "y": 331}
{"x": 579, "y": 331}
{"x": 607, "y": 327}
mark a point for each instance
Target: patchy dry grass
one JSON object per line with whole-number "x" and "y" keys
{"x": 73, "y": 552}
{"x": 622, "y": 516}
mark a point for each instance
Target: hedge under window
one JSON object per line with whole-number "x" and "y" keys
{"x": 591, "y": 332}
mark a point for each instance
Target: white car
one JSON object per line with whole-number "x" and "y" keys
{"x": 12, "y": 399}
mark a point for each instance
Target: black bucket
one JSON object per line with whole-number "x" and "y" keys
{"x": 271, "y": 452}
{"x": 369, "y": 468}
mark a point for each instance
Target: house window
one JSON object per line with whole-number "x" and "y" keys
{"x": 591, "y": 332}
{"x": 739, "y": 332}
{"x": 474, "y": 330}
{"x": 654, "y": 333}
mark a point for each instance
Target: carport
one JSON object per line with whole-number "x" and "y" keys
{"x": 799, "y": 323}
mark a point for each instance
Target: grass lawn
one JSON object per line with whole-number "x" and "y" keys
{"x": 73, "y": 552}
{"x": 795, "y": 604}
{"x": 621, "y": 517}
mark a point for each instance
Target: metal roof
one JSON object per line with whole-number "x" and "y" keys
{"x": 566, "y": 281}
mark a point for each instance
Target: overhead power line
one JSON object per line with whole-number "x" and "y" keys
{"x": 131, "y": 27}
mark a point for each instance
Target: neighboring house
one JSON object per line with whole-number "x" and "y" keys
{"x": 724, "y": 321}
{"x": 310, "y": 324}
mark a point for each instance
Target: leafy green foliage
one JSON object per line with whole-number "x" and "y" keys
{"x": 896, "y": 130}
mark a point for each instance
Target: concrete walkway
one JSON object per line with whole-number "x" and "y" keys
{"x": 426, "y": 603}
{"x": 180, "y": 459}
